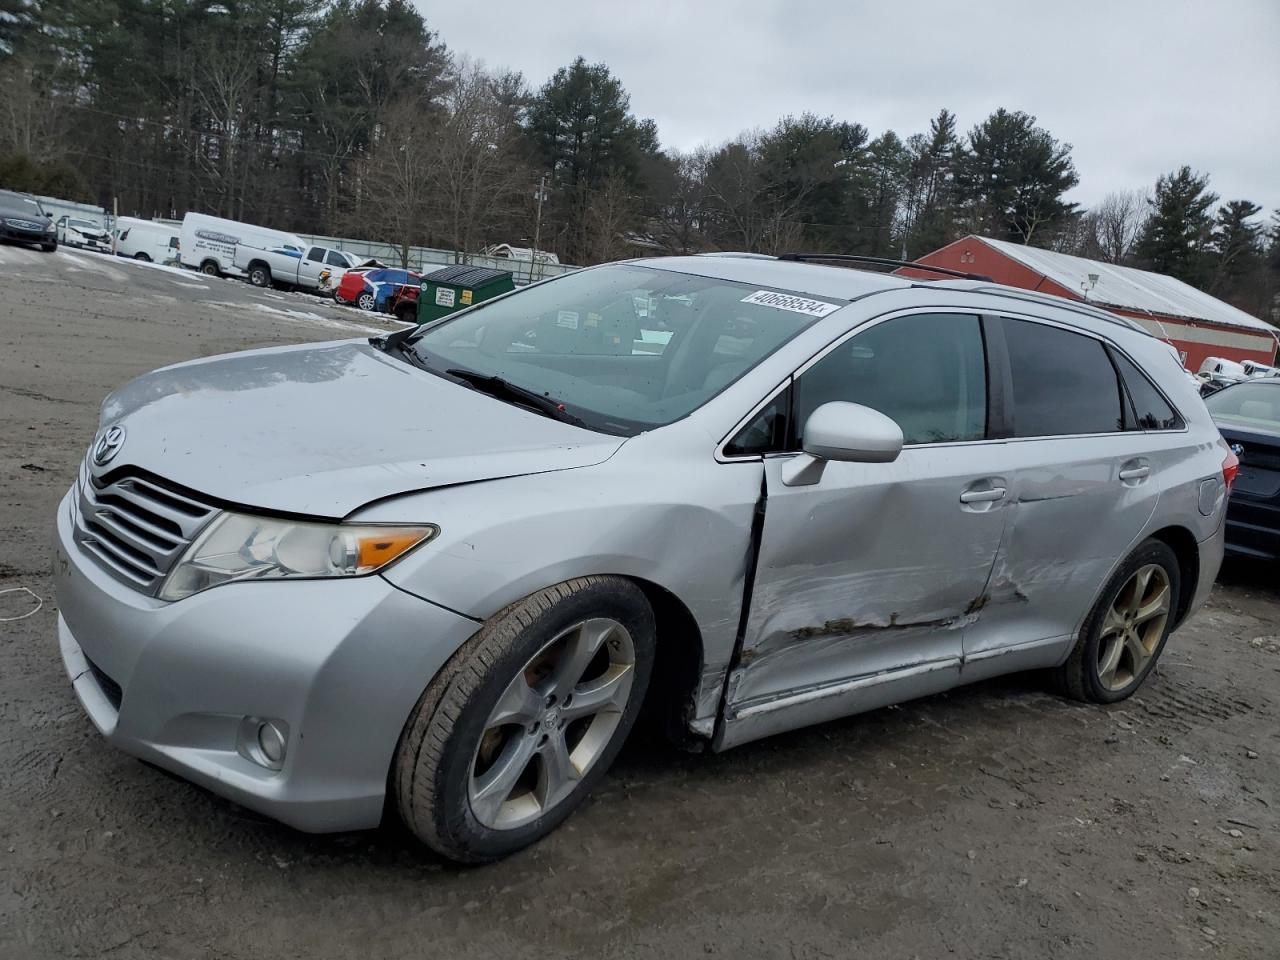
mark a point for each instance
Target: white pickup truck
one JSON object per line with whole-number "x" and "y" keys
{"x": 281, "y": 266}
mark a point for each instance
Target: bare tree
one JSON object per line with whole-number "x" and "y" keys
{"x": 611, "y": 209}
{"x": 477, "y": 173}
{"x": 394, "y": 191}
{"x": 1117, "y": 222}
{"x": 32, "y": 119}
{"x": 226, "y": 83}
{"x": 681, "y": 201}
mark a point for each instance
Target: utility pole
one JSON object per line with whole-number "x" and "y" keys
{"x": 537, "y": 228}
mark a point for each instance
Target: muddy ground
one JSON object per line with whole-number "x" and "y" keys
{"x": 996, "y": 821}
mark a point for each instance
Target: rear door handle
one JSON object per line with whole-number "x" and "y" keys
{"x": 982, "y": 496}
{"x": 1137, "y": 472}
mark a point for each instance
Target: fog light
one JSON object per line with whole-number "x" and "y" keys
{"x": 271, "y": 742}
{"x": 263, "y": 741}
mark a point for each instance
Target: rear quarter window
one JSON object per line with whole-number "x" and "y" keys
{"x": 1151, "y": 411}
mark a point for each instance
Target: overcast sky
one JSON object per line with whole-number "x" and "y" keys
{"x": 1138, "y": 87}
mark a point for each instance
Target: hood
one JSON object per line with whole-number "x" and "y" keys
{"x": 323, "y": 429}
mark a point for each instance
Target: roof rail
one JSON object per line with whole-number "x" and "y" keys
{"x": 883, "y": 262}
{"x": 1053, "y": 300}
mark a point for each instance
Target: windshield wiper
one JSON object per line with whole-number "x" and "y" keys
{"x": 506, "y": 390}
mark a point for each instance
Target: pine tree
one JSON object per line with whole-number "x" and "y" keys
{"x": 1236, "y": 245}
{"x": 1012, "y": 177}
{"x": 929, "y": 188}
{"x": 1177, "y": 235}
{"x": 581, "y": 126}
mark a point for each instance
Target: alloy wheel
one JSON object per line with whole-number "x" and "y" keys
{"x": 1133, "y": 627}
{"x": 552, "y": 723}
{"x": 365, "y": 301}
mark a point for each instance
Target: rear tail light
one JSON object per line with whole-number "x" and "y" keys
{"x": 1230, "y": 468}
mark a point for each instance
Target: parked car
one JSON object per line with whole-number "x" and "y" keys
{"x": 286, "y": 267}
{"x": 148, "y": 240}
{"x": 208, "y": 244}
{"x": 404, "y": 303}
{"x": 83, "y": 234}
{"x": 331, "y": 277}
{"x": 374, "y": 289}
{"x": 1248, "y": 415}
{"x": 825, "y": 491}
{"x": 23, "y": 220}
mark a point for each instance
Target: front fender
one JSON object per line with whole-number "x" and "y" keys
{"x": 502, "y": 540}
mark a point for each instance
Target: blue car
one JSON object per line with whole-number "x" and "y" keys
{"x": 374, "y": 289}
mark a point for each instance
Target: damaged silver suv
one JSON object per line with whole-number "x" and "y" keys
{"x": 441, "y": 571}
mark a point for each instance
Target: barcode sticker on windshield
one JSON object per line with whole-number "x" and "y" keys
{"x": 787, "y": 301}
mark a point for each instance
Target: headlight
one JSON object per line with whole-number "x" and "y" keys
{"x": 241, "y": 547}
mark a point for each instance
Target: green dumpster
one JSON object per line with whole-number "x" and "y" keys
{"x": 454, "y": 288}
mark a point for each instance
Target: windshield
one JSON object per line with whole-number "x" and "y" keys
{"x": 19, "y": 200}
{"x": 624, "y": 348}
{"x": 1254, "y": 405}
{"x": 84, "y": 225}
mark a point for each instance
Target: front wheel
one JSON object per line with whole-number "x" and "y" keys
{"x": 49, "y": 247}
{"x": 525, "y": 719}
{"x": 1127, "y": 628}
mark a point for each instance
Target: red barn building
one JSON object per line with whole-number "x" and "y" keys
{"x": 1197, "y": 324}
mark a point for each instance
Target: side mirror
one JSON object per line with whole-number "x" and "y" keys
{"x": 843, "y": 431}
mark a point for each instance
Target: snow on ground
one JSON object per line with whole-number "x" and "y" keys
{"x": 94, "y": 263}
{"x": 304, "y": 316}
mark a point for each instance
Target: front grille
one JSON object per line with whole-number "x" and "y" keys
{"x": 110, "y": 689}
{"x": 24, "y": 224}
{"x": 135, "y": 527}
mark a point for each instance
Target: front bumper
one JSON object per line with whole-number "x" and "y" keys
{"x": 8, "y": 232}
{"x": 340, "y": 662}
{"x": 87, "y": 243}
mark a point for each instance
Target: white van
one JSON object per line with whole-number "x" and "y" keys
{"x": 208, "y": 244}
{"x": 146, "y": 239}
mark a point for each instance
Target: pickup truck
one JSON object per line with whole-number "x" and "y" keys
{"x": 280, "y": 266}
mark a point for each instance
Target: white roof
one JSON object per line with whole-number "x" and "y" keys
{"x": 1127, "y": 287}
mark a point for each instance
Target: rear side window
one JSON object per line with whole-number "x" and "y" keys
{"x": 927, "y": 372}
{"x": 1063, "y": 382}
{"x": 1151, "y": 411}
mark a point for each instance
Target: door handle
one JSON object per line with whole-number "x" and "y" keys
{"x": 982, "y": 496}
{"x": 1135, "y": 473}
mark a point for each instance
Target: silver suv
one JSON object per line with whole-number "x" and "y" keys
{"x": 753, "y": 494}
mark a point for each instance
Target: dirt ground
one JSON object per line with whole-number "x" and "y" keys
{"x": 996, "y": 821}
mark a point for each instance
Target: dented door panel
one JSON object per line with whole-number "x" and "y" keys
{"x": 876, "y": 568}
{"x": 1073, "y": 517}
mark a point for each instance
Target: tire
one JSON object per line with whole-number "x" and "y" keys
{"x": 210, "y": 268}
{"x": 366, "y": 301}
{"x": 407, "y": 313}
{"x": 260, "y": 275}
{"x": 440, "y": 764}
{"x": 1088, "y": 674}
{"x": 142, "y": 256}
{"x": 49, "y": 247}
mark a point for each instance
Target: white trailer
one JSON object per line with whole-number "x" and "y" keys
{"x": 208, "y": 244}
{"x": 151, "y": 240}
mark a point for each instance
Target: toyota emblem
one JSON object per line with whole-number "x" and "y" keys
{"x": 108, "y": 445}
